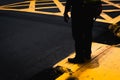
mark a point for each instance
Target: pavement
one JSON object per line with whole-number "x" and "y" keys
{"x": 31, "y": 43}
{"x": 104, "y": 65}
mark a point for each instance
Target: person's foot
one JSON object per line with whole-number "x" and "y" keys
{"x": 76, "y": 60}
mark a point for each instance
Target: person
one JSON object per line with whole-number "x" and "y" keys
{"x": 83, "y": 15}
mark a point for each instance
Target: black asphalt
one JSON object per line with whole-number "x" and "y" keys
{"x": 4, "y": 2}
{"x": 31, "y": 43}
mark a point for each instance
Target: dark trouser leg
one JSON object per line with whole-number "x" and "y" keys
{"x": 83, "y": 41}
{"x": 83, "y": 47}
{"x": 87, "y": 43}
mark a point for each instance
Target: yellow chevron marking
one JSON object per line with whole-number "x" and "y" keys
{"x": 39, "y": 6}
{"x": 32, "y": 5}
{"x": 60, "y": 6}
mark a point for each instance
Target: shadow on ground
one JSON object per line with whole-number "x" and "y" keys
{"x": 102, "y": 34}
{"x": 107, "y": 38}
{"x": 49, "y": 73}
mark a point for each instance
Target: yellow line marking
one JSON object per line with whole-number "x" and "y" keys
{"x": 59, "y": 5}
{"x": 48, "y": 7}
{"x": 44, "y": 4}
{"x": 112, "y": 10}
{"x": 32, "y": 5}
{"x": 108, "y": 2}
{"x": 105, "y": 16}
{"x": 103, "y": 21}
{"x": 115, "y": 20}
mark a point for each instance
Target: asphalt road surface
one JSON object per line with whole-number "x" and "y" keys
{"x": 30, "y": 43}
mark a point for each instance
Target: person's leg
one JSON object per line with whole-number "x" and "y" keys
{"x": 87, "y": 44}
{"x": 83, "y": 46}
{"x": 77, "y": 36}
{"x": 83, "y": 41}
{"x": 87, "y": 41}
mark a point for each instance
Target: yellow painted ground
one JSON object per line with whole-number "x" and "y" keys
{"x": 105, "y": 65}
{"x": 40, "y": 7}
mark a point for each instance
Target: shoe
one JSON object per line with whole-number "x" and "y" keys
{"x": 75, "y": 60}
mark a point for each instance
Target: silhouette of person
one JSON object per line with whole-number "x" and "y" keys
{"x": 83, "y": 15}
